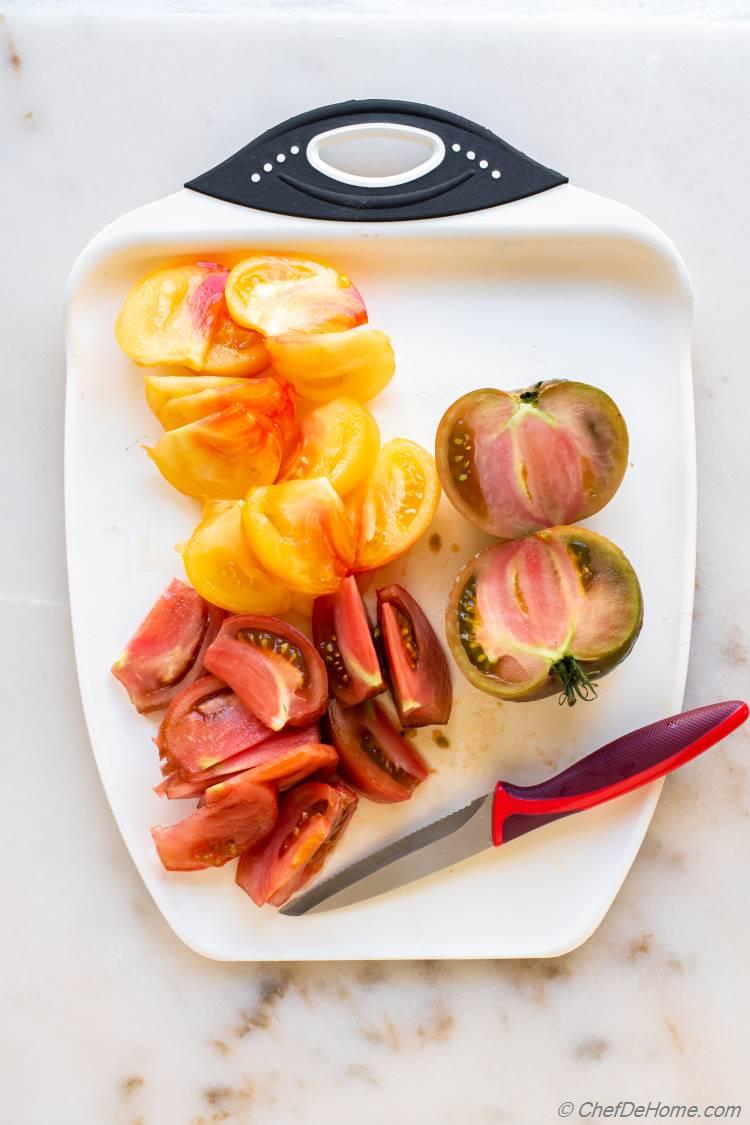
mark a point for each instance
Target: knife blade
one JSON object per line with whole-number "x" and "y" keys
{"x": 510, "y": 811}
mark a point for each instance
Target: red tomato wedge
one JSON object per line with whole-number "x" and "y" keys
{"x": 205, "y": 724}
{"x": 272, "y": 667}
{"x": 274, "y": 294}
{"x": 220, "y": 456}
{"x": 166, "y": 652}
{"x": 312, "y": 818}
{"x": 283, "y": 762}
{"x": 343, "y": 636}
{"x": 373, "y": 755}
{"x": 220, "y": 830}
{"x": 420, "y": 677}
{"x": 286, "y": 758}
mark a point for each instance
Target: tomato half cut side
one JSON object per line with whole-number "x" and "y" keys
{"x": 373, "y": 755}
{"x": 550, "y": 613}
{"x": 419, "y": 673}
{"x": 343, "y": 637}
{"x": 204, "y": 724}
{"x": 312, "y": 818}
{"x": 220, "y": 456}
{"x": 273, "y": 668}
{"x": 218, "y": 831}
{"x": 166, "y": 651}
{"x": 395, "y": 505}
{"x": 274, "y": 294}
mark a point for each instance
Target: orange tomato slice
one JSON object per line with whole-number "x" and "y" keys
{"x": 340, "y": 441}
{"x": 222, "y": 568}
{"x": 181, "y": 405}
{"x": 220, "y": 456}
{"x": 300, "y": 532}
{"x": 358, "y": 363}
{"x": 179, "y": 316}
{"x": 274, "y": 295}
{"x": 395, "y": 505}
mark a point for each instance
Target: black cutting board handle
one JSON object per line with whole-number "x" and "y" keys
{"x": 469, "y": 168}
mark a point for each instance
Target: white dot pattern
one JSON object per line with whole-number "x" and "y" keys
{"x": 280, "y": 158}
{"x": 268, "y": 167}
{"x": 255, "y": 177}
{"x": 470, "y": 155}
{"x": 456, "y": 148}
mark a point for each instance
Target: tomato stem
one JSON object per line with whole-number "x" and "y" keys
{"x": 576, "y": 684}
{"x": 532, "y": 394}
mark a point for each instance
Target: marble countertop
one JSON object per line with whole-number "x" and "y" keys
{"x": 107, "y": 1018}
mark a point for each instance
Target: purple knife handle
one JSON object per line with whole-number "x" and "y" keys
{"x": 629, "y": 762}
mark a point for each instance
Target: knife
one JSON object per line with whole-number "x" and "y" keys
{"x": 510, "y": 811}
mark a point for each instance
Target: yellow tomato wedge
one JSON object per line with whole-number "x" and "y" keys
{"x": 179, "y": 316}
{"x": 162, "y": 389}
{"x": 395, "y": 505}
{"x": 221, "y": 456}
{"x": 274, "y": 294}
{"x": 265, "y": 394}
{"x": 340, "y": 441}
{"x": 221, "y": 567}
{"x": 358, "y": 363}
{"x": 300, "y": 532}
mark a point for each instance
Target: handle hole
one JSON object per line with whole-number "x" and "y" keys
{"x": 375, "y": 155}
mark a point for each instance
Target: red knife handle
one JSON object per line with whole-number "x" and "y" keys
{"x": 617, "y": 768}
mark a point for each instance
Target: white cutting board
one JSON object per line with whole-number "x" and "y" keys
{"x": 564, "y": 283}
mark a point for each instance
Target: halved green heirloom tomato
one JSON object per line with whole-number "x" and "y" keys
{"x": 178, "y": 315}
{"x": 204, "y": 724}
{"x": 311, "y": 820}
{"x": 166, "y": 652}
{"x": 520, "y": 462}
{"x": 219, "y": 830}
{"x": 272, "y": 667}
{"x": 419, "y": 674}
{"x": 343, "y": 636}
{"x": 373, "y": 755}
{"x": 549, "y": 613}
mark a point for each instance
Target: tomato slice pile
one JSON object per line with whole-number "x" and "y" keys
{"x": 312, "y": 817}
{"x": 265, "y": 424}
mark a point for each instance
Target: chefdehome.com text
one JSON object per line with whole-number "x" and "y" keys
{"x": 662, "y": 1111}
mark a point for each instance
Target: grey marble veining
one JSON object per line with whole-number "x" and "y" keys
{"x": 107, "y": 1019}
